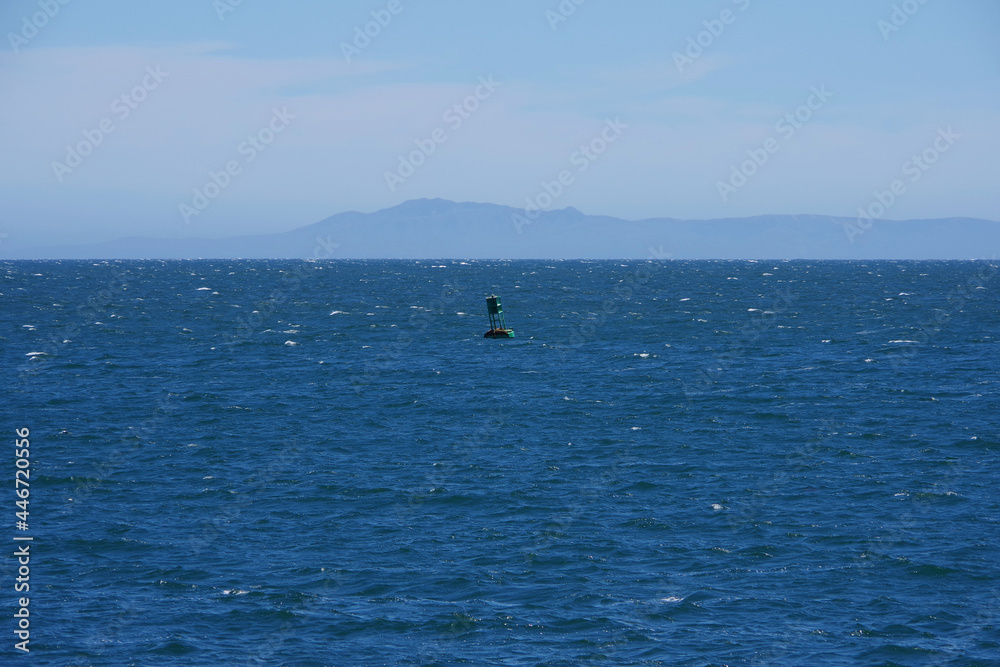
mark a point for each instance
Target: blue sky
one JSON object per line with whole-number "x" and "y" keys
{"x": 258, "y": 106}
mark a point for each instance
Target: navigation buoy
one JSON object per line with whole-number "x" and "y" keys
{"x": 498, "y": 328}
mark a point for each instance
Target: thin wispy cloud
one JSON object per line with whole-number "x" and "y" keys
{"x": 699, "y": 95}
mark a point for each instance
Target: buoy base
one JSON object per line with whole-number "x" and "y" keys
{"x": 499, "y": 333}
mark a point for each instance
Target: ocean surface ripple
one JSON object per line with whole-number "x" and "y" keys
{"x": 673, "y": 463}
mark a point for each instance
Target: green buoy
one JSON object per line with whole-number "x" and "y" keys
{"x": 498, "y": 328}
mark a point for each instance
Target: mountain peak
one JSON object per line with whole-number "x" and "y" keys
{"x": 437, "y": 228}
{"x": 423, "y": 206}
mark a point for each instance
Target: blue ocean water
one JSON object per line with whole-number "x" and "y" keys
{"x": 673, "y": 463}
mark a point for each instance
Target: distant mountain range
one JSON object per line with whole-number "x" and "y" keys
{"x": 437, "y": 228}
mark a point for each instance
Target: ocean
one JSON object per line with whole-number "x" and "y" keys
{"x": 672, "y": 463}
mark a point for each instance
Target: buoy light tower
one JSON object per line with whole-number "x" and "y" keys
{"x": 498, "y": 328}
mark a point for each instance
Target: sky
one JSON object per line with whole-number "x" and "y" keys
{"x": 213, "y": 118}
